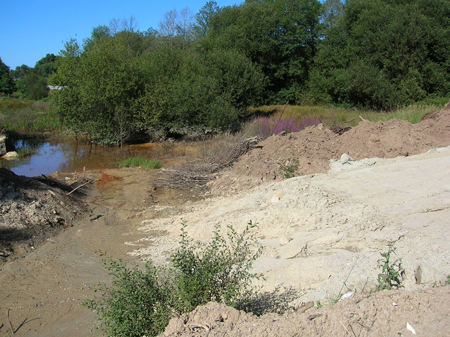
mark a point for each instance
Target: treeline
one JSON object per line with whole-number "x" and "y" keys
{"x": 30, "y": 83}
{"x": 201, "y": 71}
{"x": 122, "y": 83}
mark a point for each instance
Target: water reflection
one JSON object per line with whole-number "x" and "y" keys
{"x": 67, "y": 156}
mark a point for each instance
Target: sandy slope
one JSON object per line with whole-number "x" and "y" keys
{"x": 318, "y": 229}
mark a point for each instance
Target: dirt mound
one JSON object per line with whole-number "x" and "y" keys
{"x": 380, "y": 314}
{"x": 31, "y": 211}
{"x": 309, "y": 151}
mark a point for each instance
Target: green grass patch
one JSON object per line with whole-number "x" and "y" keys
{"x": 141, "y": 162}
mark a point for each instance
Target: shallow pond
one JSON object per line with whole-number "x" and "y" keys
{"x": 68, "y": 155}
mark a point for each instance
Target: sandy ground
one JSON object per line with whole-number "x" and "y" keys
{"x": 320, "y": 230}
{"x": 323, "y": 230}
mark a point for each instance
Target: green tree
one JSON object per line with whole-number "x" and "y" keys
{"x": 97, "y": 84}
{"x": 20, "y": 72}
{"x": 98, "y": 33}
{"x": 7, "y": 84}
{"x": 385, "y": 53}
{"x": 46, "y": 66}
{"x": 203, "y": 18}
{"x": 332, "y": 11}
{"x": 279, "y": 36}
{"x": 33, "y": 86}
{"x": 203, "y": 89}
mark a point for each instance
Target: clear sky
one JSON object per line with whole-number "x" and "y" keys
{"x": 30, "y": 29}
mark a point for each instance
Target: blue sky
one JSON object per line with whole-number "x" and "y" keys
{"x": 33, "y": 28}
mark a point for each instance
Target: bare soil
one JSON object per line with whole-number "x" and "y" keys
{"x": 321, "y": 231}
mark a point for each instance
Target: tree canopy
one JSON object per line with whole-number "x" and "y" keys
{"x": 7, "y": 84}
{"x": 202, "y": 71}
{"x": 385, "y": 53}
{"x": 128, "y": 82}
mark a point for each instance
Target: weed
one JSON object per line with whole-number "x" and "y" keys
{"x": 22, "y": 116}
{"x": 142, "y": 162}
{"x": 289, "y": 169}
{"x": 448, "y": 280}
{"x": 391, "y": 276}
{"x": 334, "y": 299}
{"x": 268, "y": 302}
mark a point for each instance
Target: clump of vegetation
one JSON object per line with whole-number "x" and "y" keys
{"x": 391, "y": 276}
{"x": 141, "y": 162}
{"x": 25, "y": 151}
{"x": 289, "y": 170}
{"x": 135, "y": 305}
{"x": 141, "y": 302}
{"x": 304, "y": 116}
{"x": 217, "y": 271}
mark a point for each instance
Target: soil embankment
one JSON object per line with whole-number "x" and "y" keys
{"x": 320, "y": 231}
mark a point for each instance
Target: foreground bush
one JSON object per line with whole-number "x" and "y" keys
{"x": 135, "y": 305}
{"x": 141, "y": 302}
{"x": 216, "y": 271}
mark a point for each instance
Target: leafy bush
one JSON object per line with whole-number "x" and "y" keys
{"x": 217, "y": 271}
{"x": 136, "y": 304}
{"x": 141, "y": 302}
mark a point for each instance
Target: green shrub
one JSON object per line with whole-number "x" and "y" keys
{"x": 217, "y": 271}
{"x": 289, "y": 170}
{"x": 141, "y": 302}
{"x": 135, "y": 305}
{"x": 142, "y": 162}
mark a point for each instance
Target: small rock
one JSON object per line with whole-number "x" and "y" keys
{"x": 10, "y": 155}
{"x": 346, "y": 159}
{"x": 350, "y": 294}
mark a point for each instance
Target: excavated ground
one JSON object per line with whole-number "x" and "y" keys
{"x": 321, "y": 229}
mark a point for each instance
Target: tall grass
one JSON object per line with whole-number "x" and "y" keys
{"x": 23, "y": 116}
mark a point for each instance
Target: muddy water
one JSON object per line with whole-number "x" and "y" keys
{"x": 69, "y": 155}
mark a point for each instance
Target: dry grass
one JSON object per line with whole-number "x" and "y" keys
{"x": 216, "y": 154}
{"x": 333, "y": 116}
